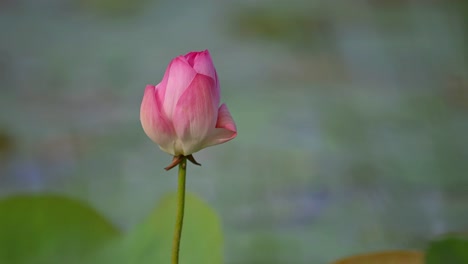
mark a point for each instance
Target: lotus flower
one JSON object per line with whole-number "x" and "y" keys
{"x": 182, "y": 114}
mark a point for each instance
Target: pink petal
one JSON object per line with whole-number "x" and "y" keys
{"x": 195, "y": 114}
{"x": 190, "y": 57}
{"x": 154, "y": 122}
{"x": 180, "y": 76}
{"x": 225, "y": 128}
{"x": 202, "y": 63}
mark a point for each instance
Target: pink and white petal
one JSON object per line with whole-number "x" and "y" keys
{"x": 190, "y": 57}
{"x": 225, "y": 119}
{"x": 195, "y": 114}
{"x": 225, "y": 128}
{"x": 180, "y": 76}
{"x": 154, "y": 122}
{"x": 203, "y": 64}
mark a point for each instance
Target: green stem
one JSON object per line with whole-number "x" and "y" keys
{"x": 180, "y": 211}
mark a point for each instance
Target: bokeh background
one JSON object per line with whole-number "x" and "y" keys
{"x": 352, "y": 116}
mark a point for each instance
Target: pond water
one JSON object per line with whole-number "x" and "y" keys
{"x": 351, "y": 118}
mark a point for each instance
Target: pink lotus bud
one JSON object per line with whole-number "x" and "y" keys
{"x": 182, "y": 113}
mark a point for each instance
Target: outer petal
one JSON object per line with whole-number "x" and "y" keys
{"x": 180, "y": 76}
{"x": 225, "y": 128}
{"x": 190, "y": 57}
{"x": 195, "y": 114}
{"x": 154, "y": 122}
{"x": 202, "y": 63}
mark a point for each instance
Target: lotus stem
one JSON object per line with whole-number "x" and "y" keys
{"x": 180, "y": 210}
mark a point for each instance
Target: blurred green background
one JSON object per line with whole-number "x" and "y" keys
{"x": 352, "y": 117}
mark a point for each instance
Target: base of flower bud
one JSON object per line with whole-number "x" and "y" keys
{"x": 192, "y": 159}
{"x": 177, "y": 159}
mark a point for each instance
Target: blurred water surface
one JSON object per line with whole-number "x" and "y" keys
{"x": 352, "y": 116}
